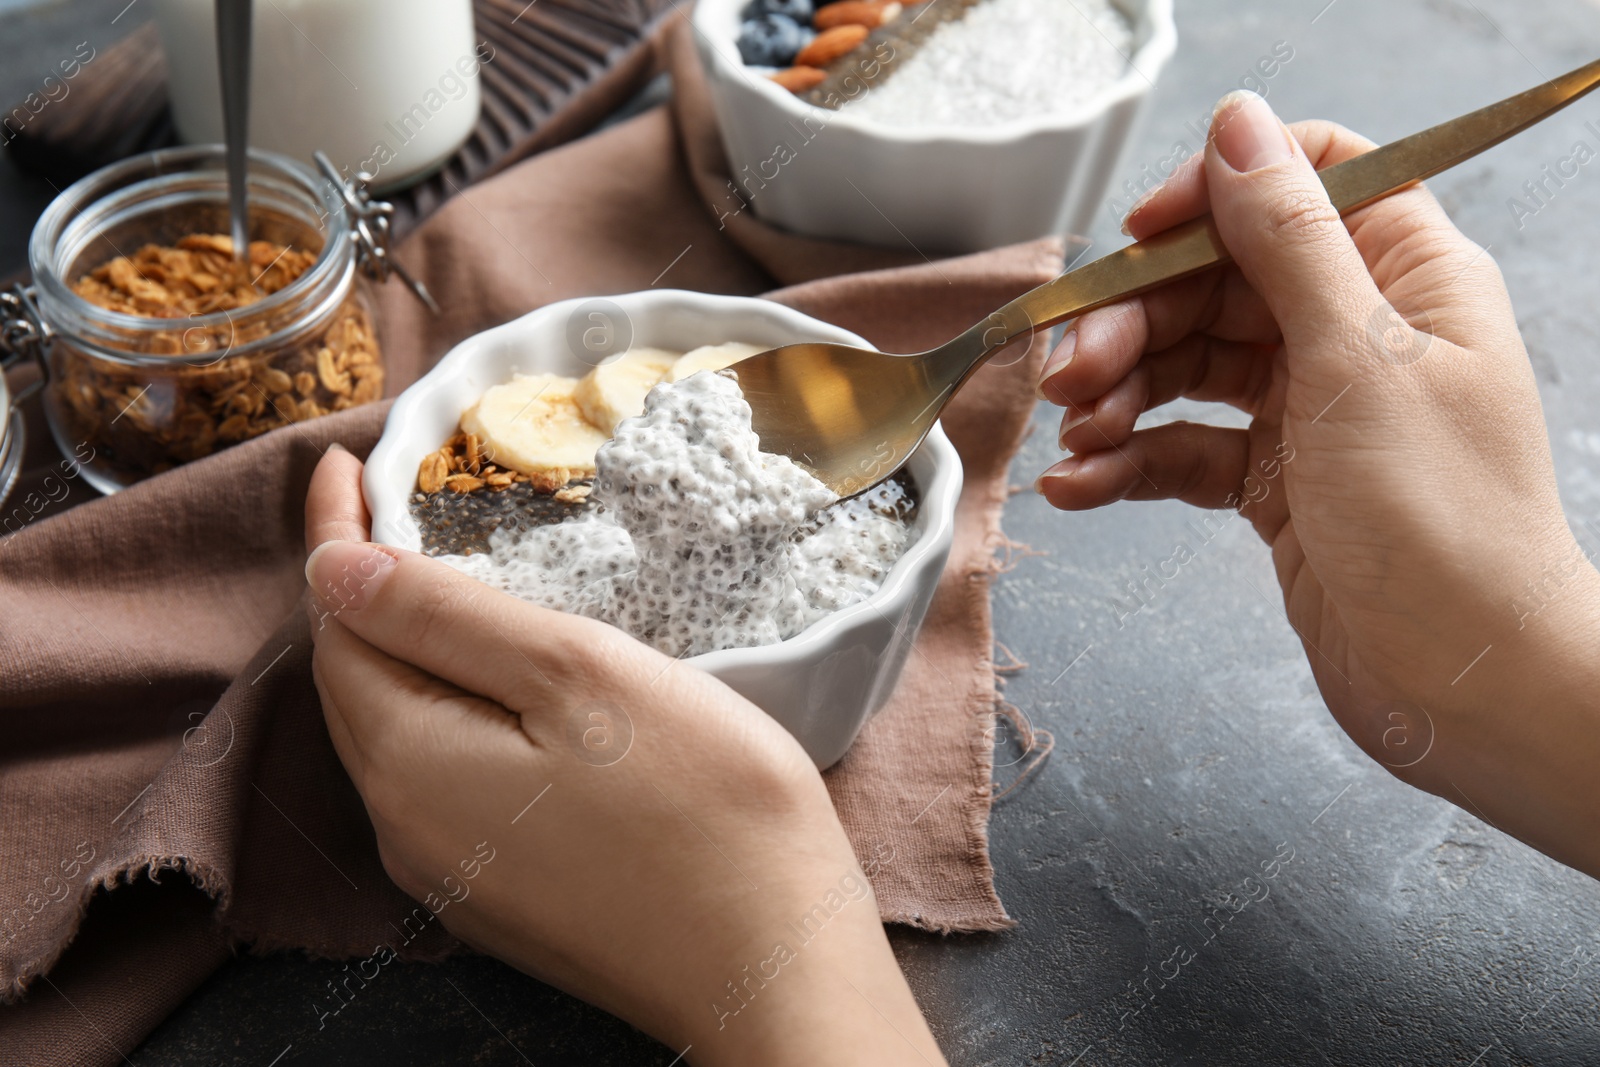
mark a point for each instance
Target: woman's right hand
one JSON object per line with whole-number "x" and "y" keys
{"x": 1397, "y": 463}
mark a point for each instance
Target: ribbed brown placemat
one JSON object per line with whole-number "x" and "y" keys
{"x": 558, "y": 66}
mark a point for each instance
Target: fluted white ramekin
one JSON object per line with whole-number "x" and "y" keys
{"x": 830, "y": 173}
{"x": 824, "y": 683}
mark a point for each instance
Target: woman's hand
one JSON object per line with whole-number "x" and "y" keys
{"x": 1396, "y": 462}
{"x": 655, "y": 844}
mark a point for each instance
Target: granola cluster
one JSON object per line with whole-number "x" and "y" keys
{"x": 463, "y": 466}
{"x": 145, "y": 418}
{"x": 197, "y": 277}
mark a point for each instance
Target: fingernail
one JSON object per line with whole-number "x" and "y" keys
{"x": 1058, "y": 359}
{"x": 1247, "y": 134}
{"x": 1062, "y": 469}
{"x": 1138, "y": 206}
{"x": 1072, "y": 424}
{"x": 346, "y": 575}
{"x": 337, "y": 447}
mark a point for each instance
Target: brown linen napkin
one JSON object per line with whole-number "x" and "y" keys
{"x": 158, "y": 718}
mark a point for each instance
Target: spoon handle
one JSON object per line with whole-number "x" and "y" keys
{"x": 233, "y": 67}
{"x": 1196, "y": 246}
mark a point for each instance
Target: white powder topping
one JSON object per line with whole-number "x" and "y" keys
{"x": 1004, "y": 60}
{"x": 701, "y": 541}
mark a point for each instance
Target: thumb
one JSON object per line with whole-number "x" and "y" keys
{"x": 1282, "y": 230}
{"x": 423, "y": 612}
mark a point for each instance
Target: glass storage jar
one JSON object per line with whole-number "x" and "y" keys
{"x": 143, "y": 394}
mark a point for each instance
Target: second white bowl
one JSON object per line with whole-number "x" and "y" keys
{"x": 829, "y": 173}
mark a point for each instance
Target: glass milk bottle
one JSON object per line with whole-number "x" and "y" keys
{"x": 385, "y": 86}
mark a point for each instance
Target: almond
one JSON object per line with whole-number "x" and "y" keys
{"x": 868, "y": 13}
{"x": 799, "y": 79}
{"x": 829, "y": 45}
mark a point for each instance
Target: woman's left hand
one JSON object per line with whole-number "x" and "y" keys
{"x": 659, "y": 845}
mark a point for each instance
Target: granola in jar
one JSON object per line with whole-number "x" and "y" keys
{"x": 147, "y": 419}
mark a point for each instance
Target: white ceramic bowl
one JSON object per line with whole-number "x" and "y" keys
{"x": 942, "y": 188}
{"x": 824, "y": 683}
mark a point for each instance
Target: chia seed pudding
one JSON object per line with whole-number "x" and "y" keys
{"x": 692, "y": 539}
{"x": 1004, "y": 60}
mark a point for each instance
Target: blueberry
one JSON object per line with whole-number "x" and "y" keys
{"x": 770, "y": 41}
{"x": 799, "y": 10}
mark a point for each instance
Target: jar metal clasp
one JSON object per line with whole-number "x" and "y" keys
{"x": 370, "y": 226}
{"x": 24, "y": 334}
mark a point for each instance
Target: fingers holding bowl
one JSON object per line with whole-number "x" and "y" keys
{"x": 381, "y": 711}
{"x": 383, "y": 614}
{"x": 335, "y": 507}
{"x": 423, "y": 612}
{"x": 405, "y": 606}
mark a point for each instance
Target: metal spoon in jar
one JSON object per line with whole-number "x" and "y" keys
{"x": 233, "y": 67}
{"x": 853, "y": 416}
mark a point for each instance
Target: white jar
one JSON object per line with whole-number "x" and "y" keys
{"x": 386, "y": 86}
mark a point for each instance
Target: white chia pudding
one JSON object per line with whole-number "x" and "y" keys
{"x": 700, "y": 541}
{"x": 1005, "y": 60}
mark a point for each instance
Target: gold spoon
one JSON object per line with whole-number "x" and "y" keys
{"x": 853, "y": 416}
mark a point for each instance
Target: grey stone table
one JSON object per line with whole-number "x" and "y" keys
{"x": 1381, "y": 925}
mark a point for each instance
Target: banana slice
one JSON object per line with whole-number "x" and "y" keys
{"x": 533, "y": 424}
{"x": 712, "y": 357}
{"x": 615, "y": 389}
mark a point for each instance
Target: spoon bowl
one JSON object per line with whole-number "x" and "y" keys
{"x": 849, "y": 415}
